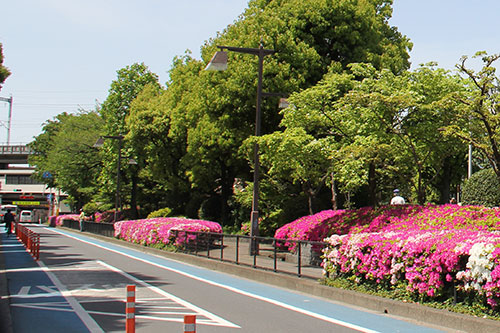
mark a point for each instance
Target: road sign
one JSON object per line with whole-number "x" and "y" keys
{"x": 26, "y": 203}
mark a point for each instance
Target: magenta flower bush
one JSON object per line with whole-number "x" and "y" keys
{"x": 163, "y": 230}
{"x": 326, "y": 223}
{"x": 58, "y": 220}
{"x": 427, "y": 248}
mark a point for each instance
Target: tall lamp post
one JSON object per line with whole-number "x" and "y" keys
{"x": 99, "y": 143}
{"x": 8, "y": 100}
{"x": 219, "y": 63}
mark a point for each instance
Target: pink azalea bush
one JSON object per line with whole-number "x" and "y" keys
{"x": 163, "y": 230}
{"x": 326, "y": 223}
{"x": 427, "y": 248}
{"x": 58, "y": 220}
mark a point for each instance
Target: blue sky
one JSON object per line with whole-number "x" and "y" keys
{"x": 63, "y": 54}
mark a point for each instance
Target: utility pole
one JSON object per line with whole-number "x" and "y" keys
{"x": 8, "y": 100}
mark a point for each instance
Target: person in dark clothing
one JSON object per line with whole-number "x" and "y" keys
{"x": 8, "y": 219}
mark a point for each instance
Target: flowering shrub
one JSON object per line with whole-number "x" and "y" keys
{"x": 58, "y": 220}
{"x": 163, "y": 230}
{"x": 326, "y": 223}
{"x": 427, "y": 248}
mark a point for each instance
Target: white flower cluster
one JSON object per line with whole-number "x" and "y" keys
{"x": 478, "y": 267}
{"x": 395, "y": 271}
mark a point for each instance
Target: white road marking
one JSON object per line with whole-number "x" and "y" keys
{"x": 216, "y": 319}
{"x": 79, "y": 310}
{"x": 24, "y": 290}
{"x": 233, "y": 289}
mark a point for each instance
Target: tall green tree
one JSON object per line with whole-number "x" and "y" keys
{"x": 379, "y": 130}
{"x": 130, "y": 81}
{"x": 4, "y": 71}
{"x": 308, "y": 37}
{"x": 65, "y": 150}
{"x": 477, "y": 120}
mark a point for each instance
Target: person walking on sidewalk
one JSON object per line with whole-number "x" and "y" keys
{"x": 8, "y": 219}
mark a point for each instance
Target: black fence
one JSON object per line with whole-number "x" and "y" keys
{"x": 293, "y": 257}
{"x": 104, "y": 229}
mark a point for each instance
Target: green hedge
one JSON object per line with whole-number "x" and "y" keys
{"x": 483, "y": 188}
{"x": 164, "y": 212}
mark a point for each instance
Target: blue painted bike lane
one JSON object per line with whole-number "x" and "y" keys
{"x": 37, "y": 303}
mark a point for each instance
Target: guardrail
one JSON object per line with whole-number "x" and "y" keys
{"x": 104, "y": 229}
{"x": 30, "y": 239}
{"x": 295, "y": 257}
{"x": 292, "y": 257}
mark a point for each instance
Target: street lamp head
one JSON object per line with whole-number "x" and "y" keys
{"x": 218, "y": 62}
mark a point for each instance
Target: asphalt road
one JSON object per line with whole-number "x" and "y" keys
{"x": 79, "y": 285}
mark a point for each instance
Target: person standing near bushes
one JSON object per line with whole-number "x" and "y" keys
{"x": 397, "y": 199}
{"x": 81, "y": 219}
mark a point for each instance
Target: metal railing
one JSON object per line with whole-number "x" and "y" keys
{"x": 30, "y": 239}
{"x": 104, "y": 229}
{"x": 292, "y": 257}
{"x": 295, "y": 257}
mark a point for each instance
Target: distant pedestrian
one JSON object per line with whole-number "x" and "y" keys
{"x": 397, "y": 199}
{"x": 81, "y": 219}
{"x": 8, "y": 219}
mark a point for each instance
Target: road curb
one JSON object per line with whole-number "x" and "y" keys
{"x": 410, "y": 311}
{"x": 5, "y": 317}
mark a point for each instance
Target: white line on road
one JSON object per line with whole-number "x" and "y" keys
{"x": 233, "y": 289}
{"x": 176, "y": 299}
{"x": 79, "y": 310}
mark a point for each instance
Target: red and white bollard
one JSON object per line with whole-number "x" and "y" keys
{"x": 130, "y": 310}
{"x": 190, "y": 324}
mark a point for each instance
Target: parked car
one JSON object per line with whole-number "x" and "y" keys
{"x": 26, "y": 216}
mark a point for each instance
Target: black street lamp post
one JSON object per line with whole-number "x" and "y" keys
{"x": 219, "y": 62}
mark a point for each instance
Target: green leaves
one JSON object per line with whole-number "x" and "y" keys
{"x": 65, "y": 149}
{"x": 4, "y": 71}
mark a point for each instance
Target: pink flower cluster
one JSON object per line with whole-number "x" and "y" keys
{"x": 425, "y": 247}
{"x": 323, "y": 224}
{"x": 163, "y": 230}
{"x": 58, "y": 220}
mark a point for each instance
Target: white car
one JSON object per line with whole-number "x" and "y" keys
{"x": 26, "y": 216}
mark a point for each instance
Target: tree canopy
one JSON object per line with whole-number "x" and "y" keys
{"x": 359, "y": 124}
{"x": 4, "y": 71}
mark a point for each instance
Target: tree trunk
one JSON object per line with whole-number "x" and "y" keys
{"x": 334, "y": 193}
{"x": 372, "y": 185}
{"x": 226, "y": 191}
{"x": 310, "y": 196}
{"x": 445, "y": 181}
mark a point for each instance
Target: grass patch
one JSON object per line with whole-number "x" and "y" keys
{"x": 466, "y": 303}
